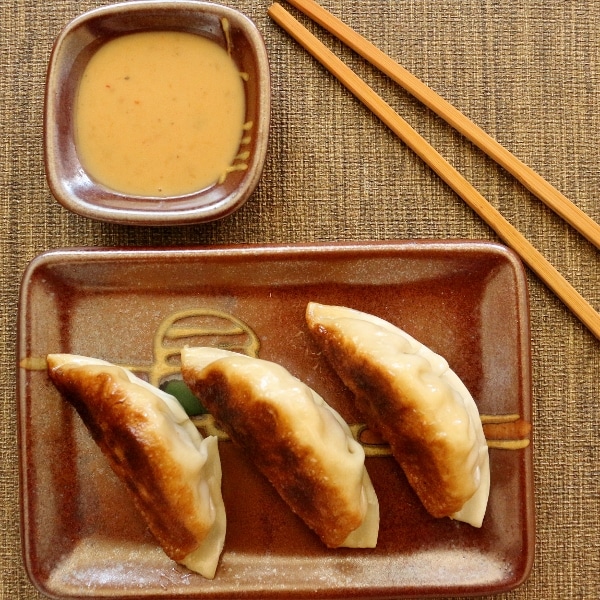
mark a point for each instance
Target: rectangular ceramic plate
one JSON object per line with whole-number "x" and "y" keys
{"x": 81, "y": 534}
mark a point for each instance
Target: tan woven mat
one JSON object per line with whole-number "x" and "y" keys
{"x": 527, "y": 71}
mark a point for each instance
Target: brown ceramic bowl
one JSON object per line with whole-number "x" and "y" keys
{"x": 68, "y": 180}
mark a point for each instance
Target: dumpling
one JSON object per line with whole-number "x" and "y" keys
{"x": 414, "y": 400}
{"x": 302, "y": 445}
{"x": 173, "y": 474}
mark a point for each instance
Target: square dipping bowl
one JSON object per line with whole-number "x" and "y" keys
{"x": 69, "y": 181}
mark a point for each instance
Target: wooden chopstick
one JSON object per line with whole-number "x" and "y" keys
{"x": 534, "y": 182}
{"x": 509, "y": 234}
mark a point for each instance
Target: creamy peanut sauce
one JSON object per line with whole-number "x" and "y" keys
{"x": 160, "y": 113}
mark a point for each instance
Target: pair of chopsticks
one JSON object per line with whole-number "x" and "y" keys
{"x": 529, "y": 178}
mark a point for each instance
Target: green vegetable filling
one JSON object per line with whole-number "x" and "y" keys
{"x": 185, "y": 397}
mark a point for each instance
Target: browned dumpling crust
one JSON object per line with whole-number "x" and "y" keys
{"x": 409, "y": 395}
{"x": 152, "y": 446}
{"x": 294, "y": 438}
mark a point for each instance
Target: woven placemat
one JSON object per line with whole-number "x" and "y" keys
{"x": 526, "y": 71}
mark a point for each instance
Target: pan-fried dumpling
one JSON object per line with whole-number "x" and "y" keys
{"x": 302, "y": 446}
{"x": 173, "y": 474}
{"x": 414, "y": 400}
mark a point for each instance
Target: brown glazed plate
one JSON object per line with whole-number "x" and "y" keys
{"x": 82, "y": 538}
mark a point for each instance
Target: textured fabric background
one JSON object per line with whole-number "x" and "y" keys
{"x": 527, "y": 71}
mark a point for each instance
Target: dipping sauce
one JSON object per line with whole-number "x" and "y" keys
{"x": 159, "y": 113}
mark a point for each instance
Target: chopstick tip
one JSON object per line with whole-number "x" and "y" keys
{"x": 274, "y": 7}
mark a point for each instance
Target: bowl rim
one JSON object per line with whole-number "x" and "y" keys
{"x": 163, "y": 214}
